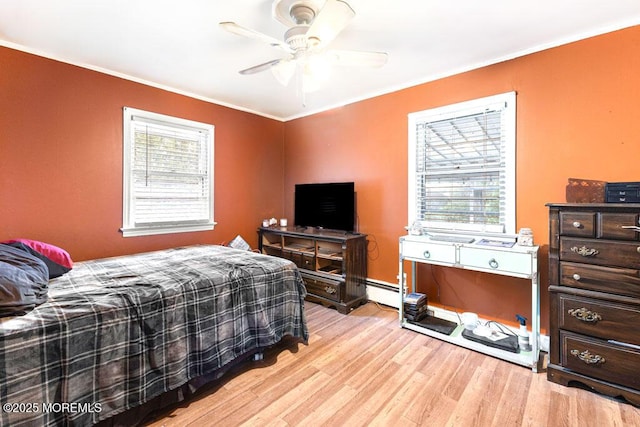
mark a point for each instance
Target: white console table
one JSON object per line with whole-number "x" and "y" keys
{"x": 516, "y": 261}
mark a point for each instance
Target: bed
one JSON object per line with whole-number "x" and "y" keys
{"x": 118, "y": 333}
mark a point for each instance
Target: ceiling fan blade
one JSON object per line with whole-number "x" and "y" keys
{"x": 332, "y": 19}
{"x": 282, "y": 69}
{"x": 239, "y": 30}
{"x": 261, "y": 67}
{"x": 359, "y": 58}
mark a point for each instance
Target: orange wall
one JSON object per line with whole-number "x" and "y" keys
{"x": 61, "y": 155}
{"x": 61, "y": 159}
{"x": 578, "y": 115}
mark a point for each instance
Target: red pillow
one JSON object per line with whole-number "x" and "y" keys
{"x": 54, "y": 253}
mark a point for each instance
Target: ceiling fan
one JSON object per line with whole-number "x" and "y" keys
{"x": 313, "y": 24}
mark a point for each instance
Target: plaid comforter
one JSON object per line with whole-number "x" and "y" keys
{"x": 120, "y": 331}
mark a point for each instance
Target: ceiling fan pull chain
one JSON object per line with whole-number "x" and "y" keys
{"x": 300, "y": 84}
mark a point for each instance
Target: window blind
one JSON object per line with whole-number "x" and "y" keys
{"x": 168, "y": 174}
{"x": 461, "y": 166}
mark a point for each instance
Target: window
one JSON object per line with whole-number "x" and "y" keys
{"x": 168, "y": 174}
{"x": 462, "y": 166}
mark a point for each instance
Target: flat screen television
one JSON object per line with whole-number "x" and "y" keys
{"x": 326, "y": 205}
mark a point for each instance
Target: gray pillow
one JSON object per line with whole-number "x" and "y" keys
{"x": 24, "y": 281}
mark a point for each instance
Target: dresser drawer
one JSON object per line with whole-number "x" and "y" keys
{"x": 301, "y": 259}
{"x": 614, "y": 226}
{"x": 294, "y": 256}
{"x": 600, "y": 252}
{"x": 273, "y": 251}
{"x": 599, "y": 359}
{"x": 601, "y": 319}
{"x": 308, "y": 262}
{"x": 621, "y": 281}
{"x": 490, "y": 259}
{"x": 323, "y": 288}
{"x": 582, "y": 224}
{"x": 434, "y": 252}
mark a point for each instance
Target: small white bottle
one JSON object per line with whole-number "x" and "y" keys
{"x": 523, "y": 334}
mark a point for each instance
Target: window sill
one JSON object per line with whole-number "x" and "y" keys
{"x": 150, "y": 231}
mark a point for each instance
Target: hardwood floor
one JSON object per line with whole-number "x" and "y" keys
{"x": 364, "y": 370}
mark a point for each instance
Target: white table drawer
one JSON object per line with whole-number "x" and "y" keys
{"x": 517, "y": 263}
{"x": 429, "y": 252}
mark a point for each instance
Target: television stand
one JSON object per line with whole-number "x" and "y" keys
{"x": 332, "y": 263}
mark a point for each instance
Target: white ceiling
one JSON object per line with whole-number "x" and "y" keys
{"x": 178, "y": 45}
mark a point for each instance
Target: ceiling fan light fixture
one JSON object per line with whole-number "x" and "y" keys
{"x": 316, "y": 70}
{"x": 284, "y": 71}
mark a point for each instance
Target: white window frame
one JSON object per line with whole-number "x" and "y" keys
{"x": 130, "y": 228}
{"x": 504, "y": 101}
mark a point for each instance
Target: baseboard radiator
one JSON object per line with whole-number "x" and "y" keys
{"x": 383, "y": 292}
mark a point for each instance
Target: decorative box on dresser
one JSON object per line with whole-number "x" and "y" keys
{"x": 594, "y": 276}
{"x": 332, "y": 263}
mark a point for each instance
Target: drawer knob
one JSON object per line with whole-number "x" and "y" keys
{"x": 330, "y": 290}
{"x": 493, "y": 263}
{"x": 585, "y": 251}
{"x": 584, "y": 315}
{"x": 426, "y": 254}
{"x": 576, "y": 224}
{"x": 576, "y": 277}
{"x": 588, "y": 358}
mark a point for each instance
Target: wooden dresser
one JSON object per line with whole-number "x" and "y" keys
{"x": 332, "y": 263}
{"x": 594, "y": 276}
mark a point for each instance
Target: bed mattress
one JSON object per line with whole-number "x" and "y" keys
{"x": 117, "y": 332}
